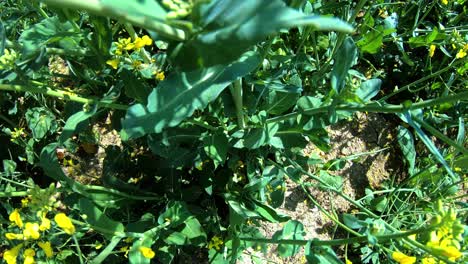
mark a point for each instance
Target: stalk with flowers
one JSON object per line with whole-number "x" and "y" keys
{"x": 171, "y": 131}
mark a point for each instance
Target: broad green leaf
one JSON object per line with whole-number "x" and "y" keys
{"x": 41, "y": 121}
{"x": 194, "y": 232}
{"x": 9, "y": 167}
{"x": 76, "y": 123}
{"x": 135, "y": 256}
{"x": 278, "y": 102}
{"x": 2, "y": 38}
{"x": 330, "y": 181}
{"x": 292, "y": 230}
{"x": 148, "y": 9}
{"x": 379, "y": 204}
{"x": 216, "y": 147}
{"x": 231, "y": 27}
{"x": 371, "y": 42}
{"x": 344, "y": 59}
{"x": 352, "y": 222}
{"x": 98, "y": 220}
{"x": 308, "y": 102}
{"x": 48, "y": 32}
{"x": 177, "y": 97}
{"x": 407, "y": 117}
{"x": 176, "y": 213}
{"x": 269, "y": 213}
{"x": 321, "y": 254}
{"x": 135, "y": 87}
{"x": 462, "y": 162}
{"x": 166, "y": 254}
{"x": 369, "y": 89}
{"x": 406, "y": 142}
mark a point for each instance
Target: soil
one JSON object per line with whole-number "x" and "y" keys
{"x": 368, "y": 142}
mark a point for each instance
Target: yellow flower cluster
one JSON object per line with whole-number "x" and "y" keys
{"x": 126, "y": 44}
{"x": 444, "y": 241}
{"x": 462, "y": 52}
{"x": 7, "y": 60}
{"x": 31, "y": 231}
{"x": 216, "y": 242}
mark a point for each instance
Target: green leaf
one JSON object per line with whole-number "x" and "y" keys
{"x": 216, "y": 147}
{"x": 9, "y": 167}
{"x": 269, "y": 213}
{"x": 75, "y": 124}
{"x": 229, "y": 28}
{"x": 292, "y": 230}
{"x": 135, "y": 87}
{"x": 369, "y": 89}
{"x": 406, "y": 142}
{"x": 278, "y": 102}
{"x": 135, "y": 256}
{"x": 321, "y": 254}
{"x": 352, "y": 222}
{"x": 344, "y": 59}
{"x": 176, "y": 213}
{"x": 371, "y": 42}
{"x": 98, "y": 220}
{"x": 177, "y": 97}
{"x": 47, "y": 32}
{"x": 407, "y": 117}
{"x": 379, "y": 204}
{"x": 194, "y": 232}
{"x": 330, "y": 181}
{"x": 2, "y": 38}
{"x": 147, "y": 9}
{"x": 40, "y": 121}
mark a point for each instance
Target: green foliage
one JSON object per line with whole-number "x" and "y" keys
{"x": 172, "y": 131}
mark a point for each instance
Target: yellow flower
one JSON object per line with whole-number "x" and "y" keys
{"x": 24, "y": 202}
{"x": 31, "y": 231}
{"x": 45, "y": 224}
{"x": 348, "y": 261}
{"x": 143, "y": 41}
{"x": 461, "y": 54}
{"x": 160, "y": 76}
{"x": 47, "y": 248}
{"x": 402, "y": 258}
{"x": 16, "y": 218}
{"x": 65, "y": 223}
{"x": 114, "y": 63}
{"x": 10, "y": 255}
{"x": 124, "y": 44}
{"x": 444, "y": 2}
{"x": 13, "y": 236}
{"x": 429, "y": 261}
{"x": 216, "y": 242}
{"x": 147, "y": 252}
{"x": 29, "y": 256}
{"x": 432, "y": 49}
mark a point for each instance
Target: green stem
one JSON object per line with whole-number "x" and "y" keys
{"x": 236, "y": 92}
{"x": 13, "y": 194}
{"x": 374, "y": 107}
{"x": 77, "y": 245}
{"x": 425, "y": 78}
{"x": 367, "y": 211}
{"x": 336, "y": 242}
{"x": 69, "y": 96}
{"x": 441, "y": 136}
{"x": 98, "y": 8}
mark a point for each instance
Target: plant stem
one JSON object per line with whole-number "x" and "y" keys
{"x": 441, "y": 136}
{"x": 374, "y": 107}
{"x": 69, "y": 96}
{"x": 336, "y": 242}
{"x": 430, "y": 76}
{"x": 98, "y": 8}
{"x": 80, "y": 255}
{"x": 236, "y": 92}
{"x": 13, "y": 194}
